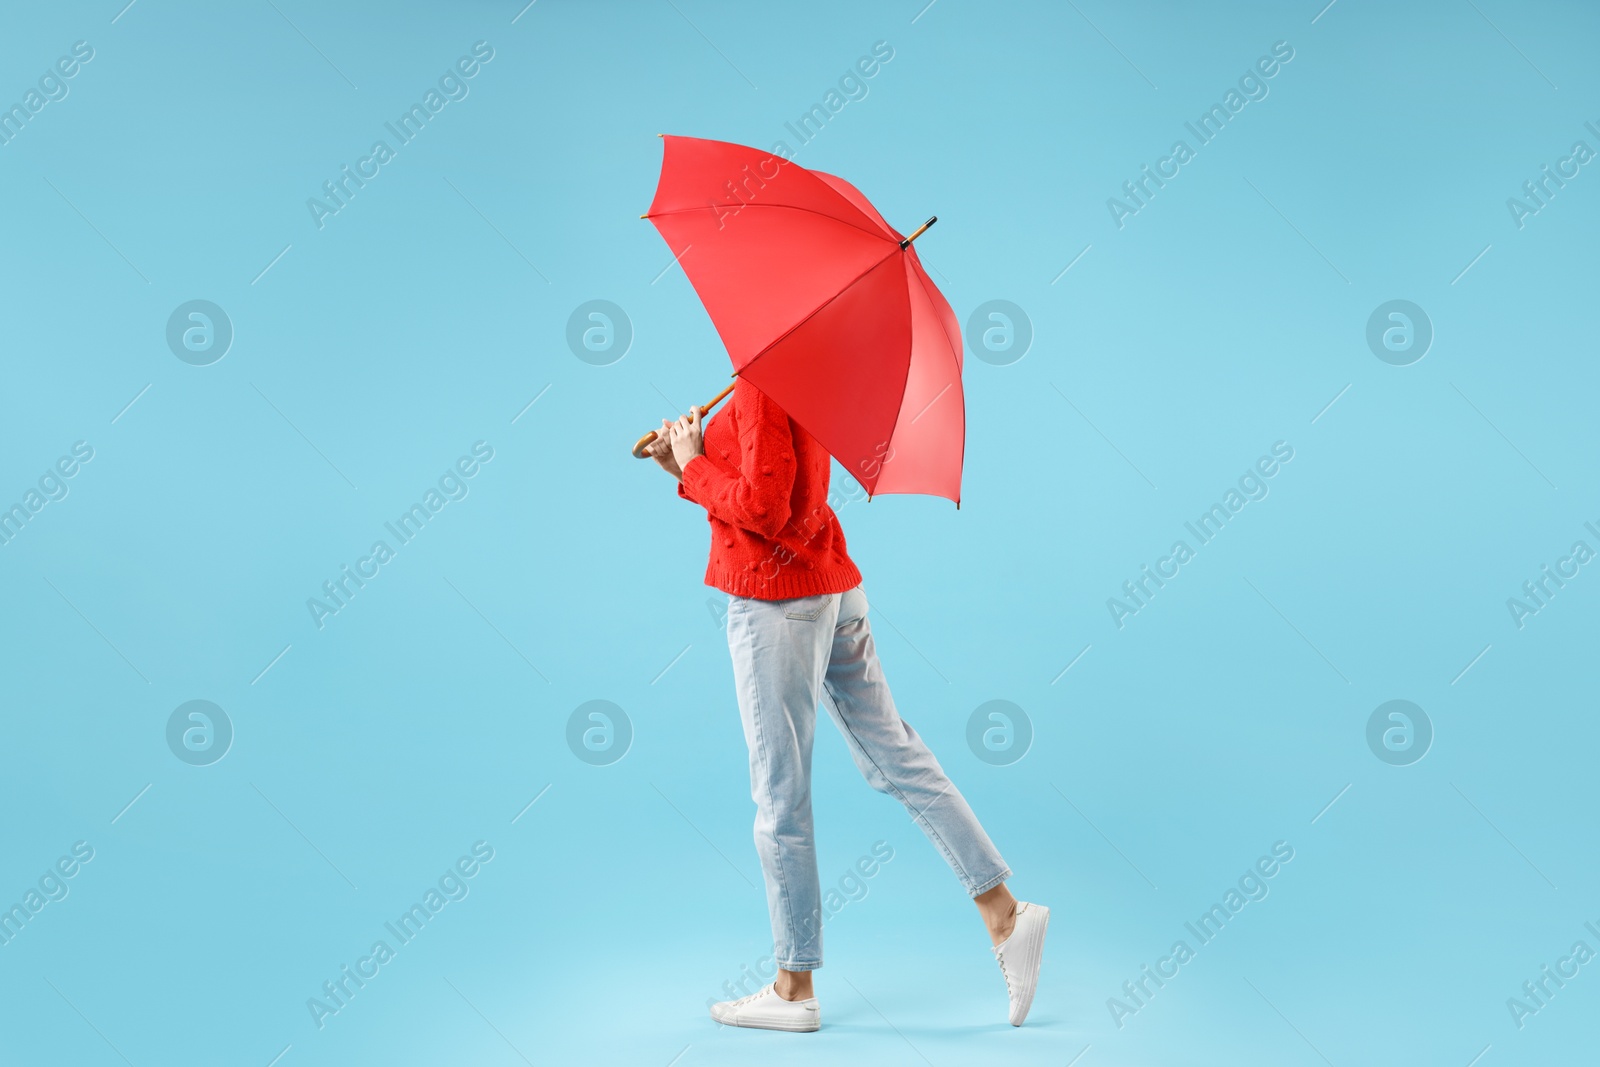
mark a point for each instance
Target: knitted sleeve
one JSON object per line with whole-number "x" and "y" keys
{"x": 757, "y": 498}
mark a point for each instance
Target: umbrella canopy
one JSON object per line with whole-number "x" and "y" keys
{"x": 822, "y": 306}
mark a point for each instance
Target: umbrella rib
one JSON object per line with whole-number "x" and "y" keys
{"x": 926, "y": 285}
{"x": 814, "y": 312}
{"x": 791, "y": 207}
{"x": 901, "y": 409}
{"x": 817, "y": 311}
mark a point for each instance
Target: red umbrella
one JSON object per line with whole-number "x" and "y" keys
{"x": 823, "y": 307}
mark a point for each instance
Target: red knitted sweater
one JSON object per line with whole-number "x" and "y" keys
{"x": 764, "y": 484}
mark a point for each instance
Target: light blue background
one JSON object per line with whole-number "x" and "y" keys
{"x": 426, "y": 715}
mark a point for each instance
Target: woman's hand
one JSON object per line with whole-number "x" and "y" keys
{"x": 660, "y": 450}
{"x": 687, "y": 441}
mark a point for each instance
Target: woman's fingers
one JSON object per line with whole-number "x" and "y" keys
{"x": 663, "y": 440}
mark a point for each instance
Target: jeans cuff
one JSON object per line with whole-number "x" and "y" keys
{"x": 800, "y": 965}
{"x": 991, "y": 883}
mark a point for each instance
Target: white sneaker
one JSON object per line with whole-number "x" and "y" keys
{"x": 768, "y": 1011}
{"x": 1019, "y": 956}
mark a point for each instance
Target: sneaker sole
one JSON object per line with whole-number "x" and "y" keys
{"x": 790, "y": 1028}
{"x": 1036, "y": 943}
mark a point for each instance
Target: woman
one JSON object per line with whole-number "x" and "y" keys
{"x": 798, "y": 632}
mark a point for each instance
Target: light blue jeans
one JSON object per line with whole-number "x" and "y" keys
{"x": 788, "y": 654}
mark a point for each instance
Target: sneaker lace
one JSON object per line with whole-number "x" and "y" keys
{"x": 1003, "y": 972}
{"x": 761, "y": 993}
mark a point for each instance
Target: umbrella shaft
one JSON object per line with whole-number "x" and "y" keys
{"x": 906, "y": 243}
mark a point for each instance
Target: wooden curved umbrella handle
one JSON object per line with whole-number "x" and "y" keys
{"x": 705, "y": 409}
